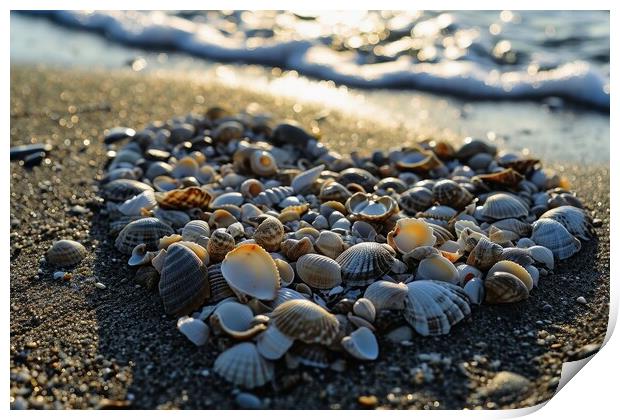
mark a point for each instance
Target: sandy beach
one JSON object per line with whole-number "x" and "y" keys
{"x": 74, "y": 345}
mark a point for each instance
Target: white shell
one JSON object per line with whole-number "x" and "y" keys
{"x": 361, "y": 344}
{"x": 553, "y": 235}
{"x": 408, "y": 234}
{"x": 304, "y": 180}
{"x": 243, "y": 365}
{"x": 437, "y": 267}
{"x": 235, "y": 319}
{"x": 572, "y": 218}
{"x": 272, "y": 344}
{"x": 197, "y": 231}
{"x": 365, "y": 308}
{"x": 140, "y": 256}
{"x": 251, "y": 271}
{"x": 133, "y": 207}
{"x": 194, "y": 329}
{"x": 475, "y": 290}
{"x": 386, "y": 295}
{"x": 503, "y": 206}
{"x": 514, "y": 269}
{"x": 542, "y": 255}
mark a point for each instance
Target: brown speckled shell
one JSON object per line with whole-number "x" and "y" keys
{"x": 269, "y": 234}
{"x": 184, "y": 198}
{"x": 66, "y": 253}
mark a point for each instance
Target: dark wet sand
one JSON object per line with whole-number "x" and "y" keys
{"x": 76, "y": 346}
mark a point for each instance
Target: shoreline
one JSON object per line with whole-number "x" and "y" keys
{"x": 87, "y": 345}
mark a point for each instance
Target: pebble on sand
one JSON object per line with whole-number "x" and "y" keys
{"x": 507, "y": 383}
{"x": 248, "y": 401}
{"x": 582, "y": 300}
{"x": 368, "y": 401}
{"x": 100, "y": 285}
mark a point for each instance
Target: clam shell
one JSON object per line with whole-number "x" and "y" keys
{"x": 304, "y": 181}
{"x": 330, "y": 244}
{"x": 386, "y": 295}
{"x": 140, "y": 256}
{"x": 484, "y": 254}
{"x": 318, "y": 271}
{"x": 284, "y": 295}
{"x": 194, "y": 329}
{"x": 365, "y": 262}
{"x": 365, "y": 308}
{"x": 502, "y": 287}
{"x": 416, "y": 199}
{"x": 361, "y": 344}
{"x": 173, "y": 218}
{"x": 196, "y": 231}
{"x": 263, "y": 163}
{"x": 409, "y": 234}
{"x": 142, "y": 231}
{"x": 370, "y": 208}
{"x": 272, "y": 344}
{"x": 250, "y": 270}
{"x": 306, "y": 321}
{"x": 163, "y": 183}
{"x": 542, "y": 255}
{"x": 294, "y": 249}
{"x": 234, "y": 198}
{"x": 521, "y": 256}
{"x": 221, "y": 218}
{"x": 506, "y": 178}
{"x": 573, "y": 219}
{"x": 433, "y": 307}
{"x": 450, "y": 193}
{"x": 437, "y": 267}
{"x": 184, "y": 198}
{"x": 514, "y": 269}
{"x": 358, "y": 176}
{"x": 503, "y": 206}
{"x": 334, "y": 191}
{"x": 124, "y": 189}
{"x": 243, "y": 365}
{"x": 235, "y": 319}
{"x": 514, "y": 225}
{"x": 219, "y": 286}
{"x": 220, "y": 243}
{"x": 134, "y": 206}
{"x": 227, "y": 131}
{"x": 269, "y": 234}
{"x": 184, "y": 284}
{"x": 65, "y": 252}
{"x": 186, "y": 166}
{"x": 553, "y": 235}
{"x": 287, "y": 274}
{"x": 534, "y": 273}
{"x": 474, "y": 289}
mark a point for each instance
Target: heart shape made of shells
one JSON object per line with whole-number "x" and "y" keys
{"x": 260, "y": 234}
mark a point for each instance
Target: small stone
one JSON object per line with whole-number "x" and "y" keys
{"x": 78, "y": 210}
{"x": 100, "y": 285}
{"x": 248, "y": 401}
{"x": 597, "y": 222}
{"x": 582, "y": 300}
{"x": 117, "y": 134}
{"x": 20, "y": 152}
{"x": 507, "y": 383}
{"x": 339, "y": 365}
{"x": 15, "y": 222}
{"x": 34, "y": 159}
{"x": 59, "y": 275}
{"x": 368, "y": 401}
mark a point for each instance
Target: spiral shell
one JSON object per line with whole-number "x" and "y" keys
{"x": 365, "y": 262}
{"x": 484, "y": 254}
{"x": 250, "y": 188}
{"x": 263, "y": 163}
{"x": 306, "y": 321}
{"x": 318, "y": 271}
{"x": 65, "y": 252}
{"x": 142, "y": 231}
{"x": 243, "y": 365}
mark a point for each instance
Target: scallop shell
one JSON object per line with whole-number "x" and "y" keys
{"x": 313, "y": 355}
{"x": 553, "y": 235}
{"x": 263, "y": 163}
{"x": 386, "y": 295}
{"x": 184, "y": 284}
{"x": 573, "y": 219}
{"x": 142, "y": 231}
{"x": 272, "y": 344}
{"x": 294, "y": 248}
{"x": 433, "y": 307}
{"x": 243, "y": 365}
{"x": 285, "y": 294}
{"x": 196, "y": 231}
{"x": 124, "y": 189}
{"x": 174, "y": 218}
{"x": 365, "y": 262}
{"x": 416, "y": 199}
{"x": 306, "y": 321}
{"x": 361, "y": 344}
{"x": 250, "y": 270}
{"x": 370, "y": 208}
{"x": 502, "y": 287}
{"x": 134, "y": 206}
{"x": 514, "y": 269}
{"x": 219, "y": 286}
{"x": 65, "y": 253}
{"x": 484, "y": 254}
{"x": 235, "y": 319}
{"x": 514, "y": 225}
{"x": 184, "y": 198}
{"x": 409, "y": 234}
{"x": 450, "y": 193}
{"x": 503, "y": 206}
{"x": 220, "y": 243}
{"x": 269, "y": 234}
{"x": 318, "y": 271}
{"x": 437, "y": 267}
{"x": 330, "y": 244}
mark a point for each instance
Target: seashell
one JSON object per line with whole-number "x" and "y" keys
{"x": 333, "y": 191}
{"x": 306, "y": 321}
{"x": 287, "y": 274}
{"x": 227, "y": 131}
{"x": 390, "y": 183}
{"x": 412, "y": 257}
{"x": 437, "y": 267}
{"x": 553, "y": 235}
{"x": 417, "y": 160}
{"x": 386, "y": 295}
{"x": 234, "y": 198}
{"x": 250, "y": 188}
{"x": 370, "y": 208}
{"x": 168, "y": 240}
{"x": 142, "y": 231}
{"x": 235, "y": 320}
{"x": 263, "y": 163}
{"x": 147, "y": 277}
{"x": 534, "y": 273}
{"x": 272, "y": 344}
{"x": 467, "y": 272}
{"x": 506, "y": 178}
{"x": 206, "y": 174}
{"x": 195, "y": 330}
{"x": 433, "y": 307}
{"x": 65, "y": 253}
{"x": 359, "y": 322}
{"x": 361, "y": 344}
{"x": 449, "y": 193}
{"x": 304, "y": 289}
{"x": 416, "y": 199}
{"x": 285, "y": 294}
{"x": 514, "y": 269}
{"x": 243, "y": 365}
{"x": 140, "y": 256}
{"x": 173, "y": 218}
{"x": 293, "y": 248}
{"x": 514, "y": 225}
{"x": 250, "y": 270}
{"x": 518, "y": 163}
{"x": 122, "y": 173}
{"x": 163, "y": 183}
{"x": 365, "y": 262}
{"x": 484, "y": 254}
{"x": 313, "y": 355}
{"x": 519, "y": 255}
{"x": 573, "y": 219}
{"x": 503, "y": 206}
{"x": 133, "y": 206}
{"x": 249, "y": 211}
{"x": 221, "y": 218}
{"x": 158, "y": 260}
{"x": 124, "y": 189}
{"x": 304, "y": 181}
{"x": 442, "y": 234}
{"x": 197, "y": 231}
{"x": 219, "y": 286}
{"x": 184, "y": 199}
{"x": 409, "y": 234}
{"x": 272, "y": 196}
{"x": 502, "y": 237}
{"x": 471, "y": 147}
{"x": 364, "y": 231}
{"x": 502, "y": 287}
{"x": 220, "y": 243}
{"x": 358, "y": 176}
{"x": 186, "y": 166}
{"x": 364, "y": 308}
{"x": 542, "y": 255}
{"x": 290, "y": 132}
{"x": 525, "y": 243}
{"x": 438, "y": 212}
{"x": 269, "y": 234}
{"x": 318, "y": 271}
{"x": 184, "y": 284}
{"x": 156, "y": 169}
{"x": 474, "y": 289}
{"x": 330, "y": 244}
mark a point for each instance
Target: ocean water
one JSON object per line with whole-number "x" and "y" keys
{"x": 535, "y": 80}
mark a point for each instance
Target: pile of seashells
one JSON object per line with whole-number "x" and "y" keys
{"x": 258, "y": 236}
